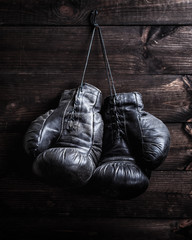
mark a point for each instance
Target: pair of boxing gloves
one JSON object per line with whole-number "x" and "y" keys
{"x": 112, "y": 147}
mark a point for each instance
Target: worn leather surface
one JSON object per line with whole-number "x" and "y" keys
{"x": 135, "y": 142}
{"x": 66, "y": 142}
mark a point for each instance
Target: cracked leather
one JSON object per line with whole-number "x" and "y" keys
{"x": 66, "y": 142}
{"x": 134, "y": 143}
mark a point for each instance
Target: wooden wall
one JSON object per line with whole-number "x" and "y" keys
{"x": 43, "y": 46}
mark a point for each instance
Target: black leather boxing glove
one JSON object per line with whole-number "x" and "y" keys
{"x": 149, "y": 134}
{"x": 118, "y": 174}
{"x": 134, "y": 143}
{"x": 66, "y": 142}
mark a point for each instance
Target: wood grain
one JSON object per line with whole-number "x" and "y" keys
{"x": 178, "y": 159}
{"x": 131, "y": 50}
{"x": 25, "y": 96}
{"x": 43, "y": 48}
{"x": 94, "y": 228}
{"x": 111, "y": 12}
{"x": 163, "y": 199}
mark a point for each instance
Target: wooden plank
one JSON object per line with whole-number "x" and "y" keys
{"x": 36, "y": 227}
{"x": 131, "y": 50}
{"x": 11, "y": 145}
{"x": 38, "y": 62}
{"x": 25, "y": 96}
{"x": 168, "y": 196}
{"x": 111, "y": 12}
{"x": 161, "y": 182}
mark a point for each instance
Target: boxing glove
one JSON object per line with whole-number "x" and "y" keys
{"x": 66, "y": 142}
{"x": 134, "y": 143}
{"x": 149, "y": 134}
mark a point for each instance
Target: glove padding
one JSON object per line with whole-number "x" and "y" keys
{"x": 66, "y": 142}
{"x": 134, "y": 143}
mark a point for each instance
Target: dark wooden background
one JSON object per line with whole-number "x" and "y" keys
{"x": 43, "y": 46}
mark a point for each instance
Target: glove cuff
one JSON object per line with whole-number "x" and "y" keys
{"x": 131, "y": 99}
{"x": 90, "y": 94}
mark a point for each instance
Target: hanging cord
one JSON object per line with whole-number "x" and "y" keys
{"x": 94, "y": 13}
{"x": 96, "y": 25}
{"x": 118, "y": 131}
{"x": 107, "y": 70}
{"x": 71, "y": 118}
{"x": 87, "y": 59}
{"x": 107, "y": 65}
